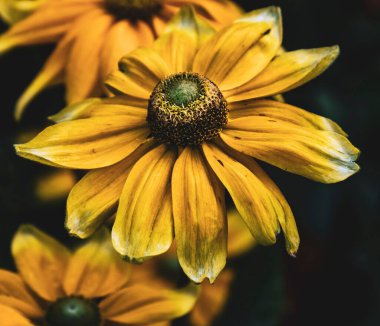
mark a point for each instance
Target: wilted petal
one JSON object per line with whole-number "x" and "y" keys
{"x": 200, "y": 223}
{"x": 144, "y": 222}
{"x": 41, "y": 261}
{"x": 284, "y": 213}
{"x": 252, "y": 199}
{"x": 320, "y": 155}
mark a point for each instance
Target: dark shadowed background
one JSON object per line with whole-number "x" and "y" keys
{"x": 335, "y": 279}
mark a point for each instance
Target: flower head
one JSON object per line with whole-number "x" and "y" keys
{"x": 88, "y": 286}
{"x": 92, "y": 35}
{"x": 189, "y": 116}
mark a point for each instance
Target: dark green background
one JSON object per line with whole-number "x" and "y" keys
{"x": 335, "y": 279}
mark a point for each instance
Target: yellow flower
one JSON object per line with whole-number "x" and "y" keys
{"x": 92, "y": 35}
{"x": 86, "y": 287}
{"x": 12, "y": 11}
{"x": 191, "y": 114}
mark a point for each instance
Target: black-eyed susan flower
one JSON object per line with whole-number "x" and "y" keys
{"x": 86, "y": 287}
{"x": 92, "y": 35}
{"x": 189, "y": 116}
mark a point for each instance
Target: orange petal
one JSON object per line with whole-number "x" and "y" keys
{"x": 139, "y": 304}
{"x": 54, "y": 68}
{"x": 83, "y": 66}
{"x": 46, "y": 25}
{"x": 41, "y": 261}
{"x": 11, "y": 317}
{"x": 122, "y": 38}
{"x": 95, "y": 269}
{"x": 14, "y": 293}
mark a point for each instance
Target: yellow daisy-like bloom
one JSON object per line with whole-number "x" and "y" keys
{"x": 87, "y": 287}
{"x": 92, "y": 35}
{"x": 191, "y": 114}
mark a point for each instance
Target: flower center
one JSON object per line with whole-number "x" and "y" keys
{"x": 134, "y": 9}
{"x": 186, "y": 109}
{"x": 73, "y": 311}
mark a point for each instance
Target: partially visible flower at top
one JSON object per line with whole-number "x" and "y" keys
{"x": 12, "y": 11}
{"x": 189, "y": 115}
{"x": 87, "y": 287}
{"x": 92, "y": 35}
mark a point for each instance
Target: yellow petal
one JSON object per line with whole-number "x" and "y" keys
{"x": 287, "y": 71}
{"x": 138, "y": 304}
{"x": 14, "y": 293}
{"x": 11, "y": 317}
{"x": 53, "y": 70}
{"x": 285, "y": 214}
{"x": 46, "y": 25}
{"x": 99, "y": 107}
{"x": 142, "y": 68}
{"x": 240, "y": 51}
{"x": 83, "y": 65}
{"x": 86, "y": 143}
{"x": 211, "y": 300}
{"x": 122, "y": 38}
{"x": 282, "y": 111}
{"x": 200, "y": 222}
{"x": 320, "y": 155}
{"x": 95, "y": 269}
{"x": 181, "y": 38}
{"x": 94, "y": 198}
{"x": 252, "y": 199}
{"x": 41, "y": 261}
{"x": 240, "y": 239}
{"x": 144, "y": 225}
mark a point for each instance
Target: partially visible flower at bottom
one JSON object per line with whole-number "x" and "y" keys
{"x": 86, "y": 287}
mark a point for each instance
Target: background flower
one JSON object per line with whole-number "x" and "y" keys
{"x": 92, "y": 35}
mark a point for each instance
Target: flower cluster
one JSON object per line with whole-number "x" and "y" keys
{"x": 172, "y": 150}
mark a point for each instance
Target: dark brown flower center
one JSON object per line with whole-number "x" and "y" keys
{"x": 186, "y": 109}
{"x": 134, "y": 9}
{"x": 73, "y": 311}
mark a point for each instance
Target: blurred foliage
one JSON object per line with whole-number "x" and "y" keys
{"x": 335, "y": 279}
